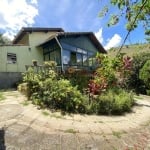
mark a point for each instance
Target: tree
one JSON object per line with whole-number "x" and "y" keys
{"x": 4, "y": 40}
{"x": 134, "y": 11}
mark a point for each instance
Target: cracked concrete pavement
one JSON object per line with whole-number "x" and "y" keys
{"x": 24, "y": 126}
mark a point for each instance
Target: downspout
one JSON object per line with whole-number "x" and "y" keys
{"x": 61, "y": 49}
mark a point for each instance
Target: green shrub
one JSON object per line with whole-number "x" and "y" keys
{"x": 145, "y": 74}
{"x": 52, "y": 92}
{"x": 60, "y": 94}
{"x": 114, "y": 102}
{"x": 134, "y": 82}
{"x": 46, "y": 89}
{"x": 79, "y": 79}
{"x": 24, "y": 89}
{"x": 110, "y": 73}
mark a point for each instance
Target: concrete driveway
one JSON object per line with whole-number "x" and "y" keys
{"x": 23, "y": 126}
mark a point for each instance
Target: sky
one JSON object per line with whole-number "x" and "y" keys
{"x": 71, "y": 15}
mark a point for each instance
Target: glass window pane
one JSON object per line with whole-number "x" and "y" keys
{"x": 66, "y": 57}
{"x": 84, "y": 52}
{"x": 79, "y": 50}
{"x": 58, "y": 57}
{"x": 73, "y": 58}
{"x": 52, "y": 56}
{"x": 46, "y": 49}
{"x": 79, "y": 59}
{"x": 90, "y": 58}
{"x": 46, "y": 57}
{"x": 85, "y": 60}
{"x": 68, "y": 47}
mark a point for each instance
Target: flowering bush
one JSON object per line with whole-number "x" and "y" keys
{"x": 110, "y": 73}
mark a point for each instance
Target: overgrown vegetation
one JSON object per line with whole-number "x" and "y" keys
{"x": 114, "y": 102}
{"x": 105, "y": 93}
{"x": 47, "y": 90}
{"x": 134, "y": 82}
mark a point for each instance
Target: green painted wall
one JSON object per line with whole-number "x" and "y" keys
{"x": 81, "y": 42}
{"x": 24, "y": 57}
{"x": 36, "y": 38}
{"x": 25, "y": 54}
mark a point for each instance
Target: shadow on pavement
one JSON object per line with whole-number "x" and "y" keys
{"x": 2, "y": 139}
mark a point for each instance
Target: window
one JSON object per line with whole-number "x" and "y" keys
{"x": 79, "y": 59}
{"x": 85, "y": 60}
{"x": 90, "y": 57}
{"x": 51, "y": 52}
{"x": 73, "y": 58}
{"x": 11, "y": 58}
{"x": 46, "y": 57}
{"x": 52, "y": 56}
{"x": 66, "y": 57}
{"x": 73, "y": 55}
{"x": 68, "y": 47}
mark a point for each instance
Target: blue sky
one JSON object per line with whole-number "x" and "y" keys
{"x": 71, "y": 15}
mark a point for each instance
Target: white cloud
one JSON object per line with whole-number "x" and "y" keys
{"x": 34, "y": 2}
{"x": 15, "y": 14}
{"x": 99, "y": 35}
{"x": 113, "y": 42}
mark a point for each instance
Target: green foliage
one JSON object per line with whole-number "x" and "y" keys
{"x": 110, "y": 73}
{"x": 2, "y": 97}
{"x": 52, "y": 92}
{"x": 104, "y": 76}
{"x": 114, "y": 102}
{"x": 104, "y": 11}
{"x": 135, "y": 12}
{"x": 24, "y": 89}
{"x": 145, "y": 74}
{"x": 62, "y": 95}
{"x": 80, "y": 79}
{"x": 46, "y": 89}
{"x": 25, "y": 103}
{"x": 71, "y": 131}
{"x": 117, "y": 134}
{"x": 133, "y": 81}
{"x": 114, "y": 19}
{"x": 50, "y": 64}
{"x": 45, "y": 113}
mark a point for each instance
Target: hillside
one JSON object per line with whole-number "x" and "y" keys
{"x": 130, "y": 50}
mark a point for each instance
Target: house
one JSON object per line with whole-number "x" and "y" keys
{"x": 75, "y": 49}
